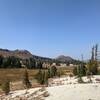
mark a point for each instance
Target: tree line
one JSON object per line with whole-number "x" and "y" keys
{"x": 42, "y": 77}
{"x": 31, "y": 63}
{"x": 91, "y": 67}
{"x": 14, "y": 62}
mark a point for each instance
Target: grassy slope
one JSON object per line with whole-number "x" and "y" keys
{"x": 15, "y": 74}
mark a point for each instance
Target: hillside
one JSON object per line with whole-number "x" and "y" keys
{"x": 25, "y": 54}
{"x": 71, "y": 91}
{"x": 64, "y": 58}
{"x": 21, "y": 58}
{"x": 22, "y": 54}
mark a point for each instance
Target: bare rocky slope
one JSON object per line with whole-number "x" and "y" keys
{"x": 25, "y": 54}
{"x": 22, "y": 54}
{"x": 64, "y": 58}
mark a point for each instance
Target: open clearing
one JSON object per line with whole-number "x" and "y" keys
{"x": 73, "y": 91}
{"x": 64, "y": 92}
{"x": 15, "y": 74}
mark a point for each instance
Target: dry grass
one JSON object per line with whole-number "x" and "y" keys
{"x": 15, "y": 74}
{"x": 66, "y": 70}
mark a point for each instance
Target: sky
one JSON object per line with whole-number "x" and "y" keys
{"x": 50, "y": 28}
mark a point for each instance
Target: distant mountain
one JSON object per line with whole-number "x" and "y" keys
{"x": 22, "y": 54}
{"x": 24, "y": 57}
{"x": 63, "y": 58}
{"x": 25, "y": 54}
{"x": 21, "y": 58}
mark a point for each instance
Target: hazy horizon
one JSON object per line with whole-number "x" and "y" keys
{"x": 50, "y": 28}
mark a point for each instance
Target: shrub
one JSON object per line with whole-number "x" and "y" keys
{"x": 42, "y": 77}
{"x": 80, "y": 80}
{"x": 52, "y": 71}
{"x": 45, "y": 94}
{"x": 6, "y": 87}
{"x": 26, "y": 81}
{"x": 92, "y": 67}
{"x": 75, "y": 72}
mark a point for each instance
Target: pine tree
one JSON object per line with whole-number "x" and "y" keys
{"x": 96, "y": 52}
{"x": 92, "y": 67}
{"x": 26, "y": 81}
{"x": 53, "y": 71}
{"x": 75, "y": 72}
{"x": 49, "y": 73}
{"x": 6, "y": 87}
{"x": 1, "y": 60}
{"x": 39, "y": 76}
{"x": 42, "y": 77}
{"x": 46, "y": 77}
{"x": 92, "y": 57}
{"x": 80, "y": 80}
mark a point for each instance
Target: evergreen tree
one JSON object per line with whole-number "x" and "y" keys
{"x": 31, "y": 63}
{"x": 83, "y": 70}
{"x": 53, "y": 71}
{"x": 96, "y": 52}
{"x": 80, "y": 73}
{"x": 39, "y": 76}
{"x": 49, "y": 73}
{"x": 38, "y": 64}
{"x": 27, "y": 63}
{"x": 46, "y": 77}
{"x": 18, "y": 64}
{"x": 1, "y": 60}
{"x": 26, "y": 81}
{"x": 80, "y": 70}
{"x": 42, "y": 77}
{"x": 6, "y": 87}
{"x": 80, "y": 80}
{"x": 92, "y": 57}
{"x": 7, "y": 62}
{"x": 92, "y": 67}
{"x": 75, "y": 71}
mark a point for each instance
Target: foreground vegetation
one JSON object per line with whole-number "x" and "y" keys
{"x": 16, "y": 74}
{"x": 41, "y": 75}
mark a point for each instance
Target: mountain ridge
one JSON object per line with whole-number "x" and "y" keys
{"x": 20, "y": 53}
{"x": 25, "y": 54}
{"x": 64, "y": 58}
